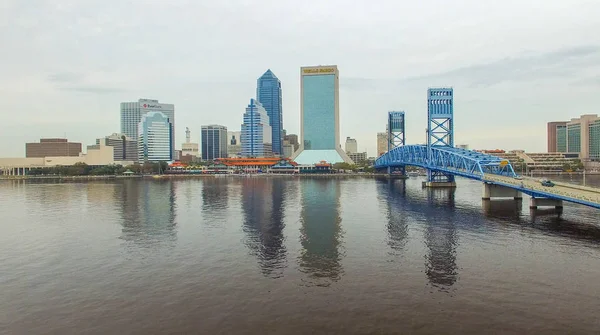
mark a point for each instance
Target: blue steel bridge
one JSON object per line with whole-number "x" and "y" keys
{"x": 443, "y": 161}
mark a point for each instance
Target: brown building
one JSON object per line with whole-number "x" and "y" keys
{"x": 52, "y": 147}
{"x": 553, "y": 129}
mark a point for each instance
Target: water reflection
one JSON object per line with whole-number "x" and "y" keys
{"x": 263, "y": 203}
{"x": 148, "y": 212}
{"x": 503, "y": 209}
{"x": 394, "y": 194}
{"x": 441, "y": 239}
{"x": 320, "y": 232}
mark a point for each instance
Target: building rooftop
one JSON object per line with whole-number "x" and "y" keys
{"x": 308, "y": 157}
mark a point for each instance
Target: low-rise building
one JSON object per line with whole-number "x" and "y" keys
{"x": 53, "y": 147}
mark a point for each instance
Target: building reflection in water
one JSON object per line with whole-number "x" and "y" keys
{"x": 441, "y": 238}
{"x": 215, "y": 200}
{"x": 263, "y": 202}
{"x": 148, "y": 212}
{"x": 320, "y": 232}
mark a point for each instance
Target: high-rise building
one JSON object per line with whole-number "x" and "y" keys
{"x": 358, "y": 157}
{"x": 580, "y": 136}
{"x": 557, "y": 136}
{"x": 214, "y": 142}
{"x": 234, "y": 144}
{"x": 382, "y": 146}
{"x": 132, "y": 112}
{"x": 293, "y": 140}
{"x": 124, "y": 147}
{"x": 256, "y": 131}
{"x": 189, "y": 148}
{"x": 351, "y": 146}
{"x": 52, "y": 147}
{"x": 268, "y": 93}
{"x": 319, "y": 116}
{"x": 154, "y": 138}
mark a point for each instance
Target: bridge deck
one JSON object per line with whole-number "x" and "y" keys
{"x": 568, "y": 192}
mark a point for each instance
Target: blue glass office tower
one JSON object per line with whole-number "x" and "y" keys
{"x": 319, "y": 109}
{"x": 268, "y": 93}
{"x": 256, "y": 131}
{"x": 154, "y": 138}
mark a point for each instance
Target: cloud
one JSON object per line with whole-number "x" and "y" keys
{"x": 559, "y": 64}
{"x": 65, "y": 77}
{"x": 95, "y": 90}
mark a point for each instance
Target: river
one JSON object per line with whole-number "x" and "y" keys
{"x": 284, "y": 255}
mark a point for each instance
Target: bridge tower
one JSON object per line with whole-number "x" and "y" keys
{"x": 440, "y": 131}
{"x": 395, "y": 134}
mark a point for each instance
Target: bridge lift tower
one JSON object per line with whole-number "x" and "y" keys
{"x": 395, "y": 134}
{"x": 440, "y": 131}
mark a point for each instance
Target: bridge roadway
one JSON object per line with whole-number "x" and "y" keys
{"x": 562, "y": 191}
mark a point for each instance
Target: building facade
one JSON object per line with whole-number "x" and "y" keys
{"x": 358, "y": 157}
{"x": 154, "y": 138}
{"x": 381, "y": 143}
{"x": 256, "y": 132}
{"x": 319, "y": 116}
{"x": 234, "y": 144}
{"x": 293, "y": 140}
{"x": 50, "y": 147}
{"x": 579, "y": 136}
{"x": 351, "y": 146}
{"x": 268, "y": 94}
{"x": 132, "y": 112}
{"x": 214, "y": 142}
{"x": 557, "y": 137}
{"x": 124, "y": 147}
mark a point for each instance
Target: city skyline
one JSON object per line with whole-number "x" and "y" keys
{"x": 547, "y": 73}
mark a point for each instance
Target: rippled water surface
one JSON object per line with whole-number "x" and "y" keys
{"x": 266, "y": 255}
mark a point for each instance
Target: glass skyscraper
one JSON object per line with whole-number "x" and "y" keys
{"x": 214, "y": 142}
{"x": 154, "y": 138}
{"x": 132, "y": 112}
{"x": 319, "y": 109}
{"x": 256, "y": 131}
{"x": 268, "y": 93}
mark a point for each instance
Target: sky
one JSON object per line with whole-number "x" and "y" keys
{"x": 515, "y": 65}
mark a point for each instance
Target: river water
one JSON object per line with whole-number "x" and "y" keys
{"x": 284, "y": 255}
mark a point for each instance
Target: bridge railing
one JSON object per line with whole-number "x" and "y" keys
{"x": 532, "y": 186}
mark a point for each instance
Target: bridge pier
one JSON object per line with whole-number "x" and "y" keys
{"x": 497, "y": 191}
{"x": 534, "y": 203}
{"x": 439, "y": 184}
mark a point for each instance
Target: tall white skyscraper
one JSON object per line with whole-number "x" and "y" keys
{"x": 132, "y": 112}
{"x": 351, "y": 145}
{"x": 154, "y": 138}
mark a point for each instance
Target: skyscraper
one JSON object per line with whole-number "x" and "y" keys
{"x": 256, "y": 131}
{"x": 154, "y": 138}
{"x": 268, "y": 93}
{"x": 319, "y": 116}
{"x": 214, "y": 142}
{"x": 381, "y": 143}
{"x": 351, "y": 145}
{"x": 132, "y": 112}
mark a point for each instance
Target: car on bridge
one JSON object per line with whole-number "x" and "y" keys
{"x": 547, "y": 183}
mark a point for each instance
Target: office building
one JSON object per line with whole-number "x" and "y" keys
{"x": 293, "y": 140}
{"x": 580, "y": 137}
{"x": 234, "y": 144}
{"x": 214, "y": 142}
{"x": 463, "y": 146}
{"x": 268, "y": 93}
{"x": 154, "y": 138}
{"x": 51, "y": 147}
{"x": 124, "y": 147}
{"x": 351, "y": 146}
{"x": 382, "y": 145}
{"x": 358, "y": 157}
{"x": 132, "y": 112}
{"x": 319, "y": 116}
{"x": 189, "y": 148}
{"x": 256, "y": 131}
{"x": 557, "y": 136}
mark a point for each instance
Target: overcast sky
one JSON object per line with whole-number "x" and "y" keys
{"x": 514, "y": 64}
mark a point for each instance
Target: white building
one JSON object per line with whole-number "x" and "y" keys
{"x": 154, "y": 138}
{"x": 189, "y": 148}
{"x": 234, "y": 144}
{"x": 132, "y": 112}
{"x": 351, "y": 146}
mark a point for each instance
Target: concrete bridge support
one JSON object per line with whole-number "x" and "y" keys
{"x": 439, "y": 184}
{"x": 534, "y": 203}
{"x": 497, "y": 191}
